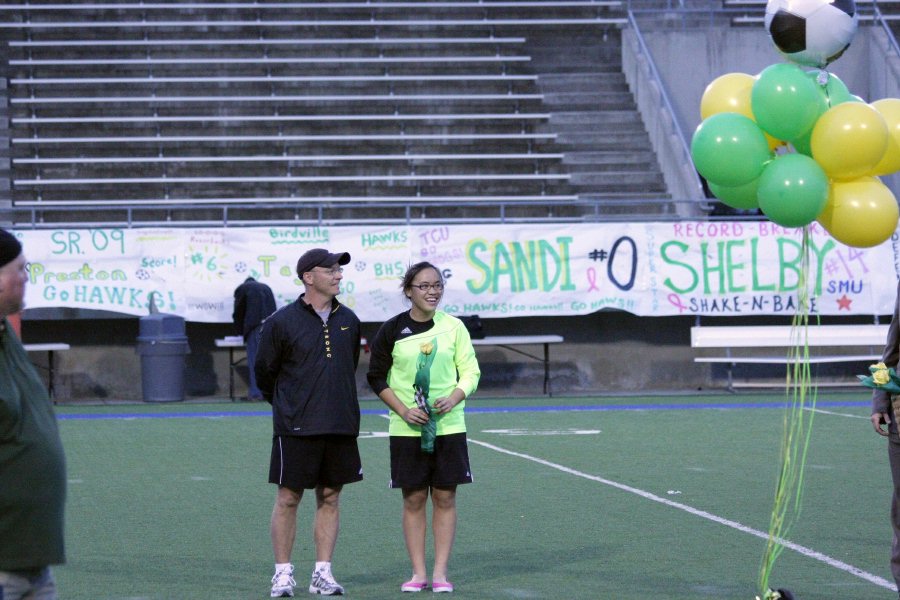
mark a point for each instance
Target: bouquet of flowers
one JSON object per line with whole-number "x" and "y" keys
{"x": 881, "y": 378}
{"x": 778, "y": 594}
{"x": 421, "y": 388}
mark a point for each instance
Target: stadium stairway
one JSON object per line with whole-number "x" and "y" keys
{"x": 605, "y": 145}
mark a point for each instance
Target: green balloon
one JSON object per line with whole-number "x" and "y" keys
{"x": 803, "y": 144}
{"x": 743, "y": 197}
{"x": 793, "y": 190}
{"x": 834, "y": 91}
{"x": 729, "y": 149}
{"x": 785, "y": 102}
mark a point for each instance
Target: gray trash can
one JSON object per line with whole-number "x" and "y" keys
{"x": 162, "y": 345}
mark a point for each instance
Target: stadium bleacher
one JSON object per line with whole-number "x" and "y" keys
{"x": 206, "y": 109}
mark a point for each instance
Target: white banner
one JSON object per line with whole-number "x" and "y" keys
{"x": 648, "y": 269}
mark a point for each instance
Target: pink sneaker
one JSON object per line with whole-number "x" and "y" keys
{"x": 414, "y": 586}
{"x": 441, "y": 586}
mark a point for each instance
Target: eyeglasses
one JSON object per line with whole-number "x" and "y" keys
{"x": 424, "y": 287}
{"x": 331, "y": 271}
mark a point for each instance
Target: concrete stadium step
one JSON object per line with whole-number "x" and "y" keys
{"x": 346, "y": 69}
{"x": 577, "y": 171}
{"x": 613, "y": 81}
{"x": 607, "y": 150}
{"x": 604, "y": 179}
{"x": 319, "y": 146}
{"x": 436, "y": 126}
{"x": 624, "y": 141}
{"x": 492, "y": 85}
{"x": 592, "y": 138}
{"x": 260, "y": 51}
{"x": 420, "y": 169}
{"x": 282, "y": 116}
{"x": 262, "y": 190}
{"x": 136, "y": 157}
{"x": 586, "y": 60}
{"x": 337, "y": 10}
{"x": 574, "y": 160}
{"x": 575, "y": 49}
{"x": 210, "y": 145}
{"x": 574, "y": 101}
{"x": 613, "y": 119}
{"x": 151, "y": 110}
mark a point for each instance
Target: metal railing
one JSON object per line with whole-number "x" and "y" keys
{"x": 881, "y": 22}
{"x": 691, "y": 179}
{"x": 561, "y": 209}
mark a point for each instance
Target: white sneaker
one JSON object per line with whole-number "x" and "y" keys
{"x": 325, "y": 585}
{"x": 283, "y": 583}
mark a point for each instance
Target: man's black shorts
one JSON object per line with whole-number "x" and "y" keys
{"x": 447, "y": 466}
{"x": 306, "y": 462}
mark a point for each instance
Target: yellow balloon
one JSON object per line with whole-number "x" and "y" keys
{"x": 860, "y": 213}
{"x": 727, "y": 93}
{"x": 731, "y": 93}
{"x": 889, "y": 109}
{"x": 849, "y": 140}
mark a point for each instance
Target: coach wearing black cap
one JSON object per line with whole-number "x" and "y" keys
{"x": 32, "y": 463}
{"x": 306, "y": 368}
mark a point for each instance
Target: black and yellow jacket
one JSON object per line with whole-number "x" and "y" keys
{"x": 306, "y": 369}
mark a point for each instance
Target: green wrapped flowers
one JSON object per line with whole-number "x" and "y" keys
{"x": 421, "y": 386}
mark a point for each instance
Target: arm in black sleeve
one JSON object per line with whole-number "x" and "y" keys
{"x": 268, "y": 359}
{"x": 381, "y": 361}
{"x": 240, "y": 309}
{"x": 881, "y": 400}
{"x": 356, "y": 346}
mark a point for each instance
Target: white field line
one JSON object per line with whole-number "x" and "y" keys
{"x": 808, "y": 552}
{"x": 836, "y": 414}
{"x": 803, "y": 550}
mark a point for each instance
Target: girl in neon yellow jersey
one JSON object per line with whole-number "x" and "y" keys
{"x": 423, "y": 367}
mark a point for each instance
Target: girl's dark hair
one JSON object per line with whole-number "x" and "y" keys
{"x": 414, "y": 270}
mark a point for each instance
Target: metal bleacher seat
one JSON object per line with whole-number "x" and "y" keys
{"x": 142, "y": 104}
{"x": 293, "y": 43}
{"x": 265, "y": 61}
{"x": 351, "y": 138}
{"x": 154, "y": 119}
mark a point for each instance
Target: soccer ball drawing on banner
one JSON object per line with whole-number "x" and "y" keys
{"x": 813, "y": 33}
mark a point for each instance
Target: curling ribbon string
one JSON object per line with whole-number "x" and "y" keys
{"x": 801, "y": 392}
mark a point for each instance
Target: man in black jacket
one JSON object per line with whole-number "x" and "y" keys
{"x": 253, "y": 302}
{"x": 885, "y": 412}
{"x": 306, "y": 368}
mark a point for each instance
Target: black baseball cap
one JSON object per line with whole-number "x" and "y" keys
{"x": 320, "y": 257}
{"x": 11, "y": 248}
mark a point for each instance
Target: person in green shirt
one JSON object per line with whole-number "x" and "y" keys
{"x": 32, "y": 463}
{"x": 423, "y": 367}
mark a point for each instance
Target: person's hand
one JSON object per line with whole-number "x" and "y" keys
{"x": 879, "y": 419}
{"x": 444, "y": 405}
{"x": 415, "y": 416}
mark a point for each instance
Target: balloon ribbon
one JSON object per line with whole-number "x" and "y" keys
{"x": 801, "y": 393}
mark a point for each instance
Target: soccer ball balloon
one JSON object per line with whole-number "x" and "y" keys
{"x": 811, "y": 32}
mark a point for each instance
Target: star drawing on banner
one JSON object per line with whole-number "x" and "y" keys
{"x": 844, "y": 302}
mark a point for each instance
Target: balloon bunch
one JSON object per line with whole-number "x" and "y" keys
{"x": 800, "y": 147}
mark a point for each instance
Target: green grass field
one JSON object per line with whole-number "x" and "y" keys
{"x": 633, "y": 498}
